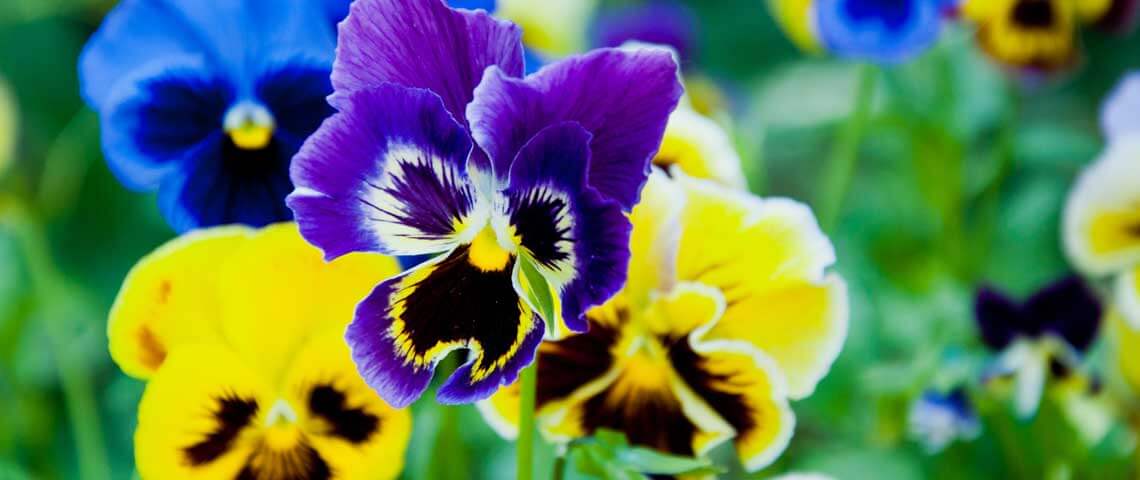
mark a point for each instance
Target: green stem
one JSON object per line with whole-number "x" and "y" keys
{"x": 845, "y": 152}
{"x": 560, "y": 466}
{"x": 50, "y": 288}
{"x": 528, "y": 385}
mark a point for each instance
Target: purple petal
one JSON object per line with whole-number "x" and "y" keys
{"x": 621, "y": 97}
{"x": 422, "y": 44}
{"x": 387, "y": 174}
{"x": 999, "y": 318}
{"x": 374, "y": 350}
{"x": 666, "y": 23}
{"x": 1068, "y": 309}
{"x": 579, "y": 239}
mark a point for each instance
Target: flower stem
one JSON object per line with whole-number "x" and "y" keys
{"x": 528, "y": 382}
{"x": 559, "y": 467}
{"x": 841, "y": 164}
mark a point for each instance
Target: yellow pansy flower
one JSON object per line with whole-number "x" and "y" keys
{"x": 1035, "y": 34}
{"x": 796, "y": 18}
{"x": 701, "y": 148}
{"x": 728, "y": 314}
{"x": 554, "y": 28}
{"x": 239, "y": 333}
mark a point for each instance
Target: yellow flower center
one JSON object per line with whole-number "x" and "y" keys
{"x": 485, "y": 252}
{"x": 249, "y": 125}
{"x": 281, "y": 430}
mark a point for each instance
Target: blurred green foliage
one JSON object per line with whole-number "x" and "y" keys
{"x": 961, "y": 177}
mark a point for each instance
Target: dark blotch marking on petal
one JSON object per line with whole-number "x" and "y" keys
{"x": 654, "y": 420}
{"x": 568, "y": 364}
{"x": 893, "y": 14}
{"x": 1039, "y": 14}
{"x": 300, "y": 463}
{"x": 233, "y": 415}
{"x": 730, "y": 406}
{"x": 352, "y": 424}
{"x": 458, "y": 302}
{"x": 438, "y": 201}
{"x": 151, "y": 351}
{"x": 535, "y": 214}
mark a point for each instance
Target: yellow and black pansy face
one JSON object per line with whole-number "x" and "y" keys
{"x": 208, "y": 414}
{"x": 249, "y": 375}
{"x": 1031, "y": 34}
{"x": 700, "y": 148}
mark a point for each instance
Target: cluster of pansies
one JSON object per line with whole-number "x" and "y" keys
{"x": 524, "y": 192}
{"x": 1031, "y": 35}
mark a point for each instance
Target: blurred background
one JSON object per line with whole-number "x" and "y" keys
{"x": 961, "y": 177}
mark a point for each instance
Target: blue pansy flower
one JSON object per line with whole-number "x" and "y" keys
{"x": 516, "y": 186}
{"x": 880, "y": 31}
{"x": 1039, "y": 340}
{"x": 206, "y": 101}
{"x": 938, "y": 419}
{"x": 660, "y": 22}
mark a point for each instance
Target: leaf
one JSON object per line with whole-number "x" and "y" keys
{"x": 609, "y": 455}
{"x": 649, "y": 461}
{"x": 537, "y": 290}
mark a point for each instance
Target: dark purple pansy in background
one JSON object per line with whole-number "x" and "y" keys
{"x": 661, "y": 22}
{"x": 1039, "y": 339}
{"x": 206, "y": 101}
{"x": 517, "y": 187}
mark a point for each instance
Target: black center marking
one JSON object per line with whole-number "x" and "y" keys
{"x": 1034, "y": 14}
{"x": 233, "y": 415}
{"x": 300, "y": 463}
{"x": 352, "y": 424}
{"x": 535, "y": 215}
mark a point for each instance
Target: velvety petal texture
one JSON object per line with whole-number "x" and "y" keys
{"x": 388, "y": 173}
{"x": 422, "y": 44}
{"x": 1066, "y": 309}
{"x": 621, "y": 97}
{"x": 207, "y": 101}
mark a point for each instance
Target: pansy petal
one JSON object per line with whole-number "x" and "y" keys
{"x": 1033, "y": 35}
{"x": 422, "y": 44}
{"x": 797, "y": 19}
{"x": 1068, "y": 309}
{"x": 196, "y": 413}
{"x": 303, "y": 295}
{"x": 1126, "y": 342}
{"x": 1102, "y": 216}
{"x": 769, "y": 258}
{"x": 353, "y": 430}
{"x": 170, "y": 298}
{"x": 388, "y": 173}
{"x": 621, "y": 97}
{"x": 409, "y": 323}
{"x": 654, "y": 240}
{"x": 570, "y": 371}
{"x": 230, "y": 37}
{"x": 667, "y": 23}
{"x": 578, "y": 240}
{"x": 879, "y": 31}
{"x": 999, "y": 318}
{"x": 1128, "y": 296}
{"x": 1118, "y": 118}
{"x": 700, "y": 148}
{"x": 162, "y": 116}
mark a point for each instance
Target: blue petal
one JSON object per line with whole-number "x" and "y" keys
{"x": 488, "y": 5}
{"x": 157, "y": 122}
{"x": 229, "y": 37}
{"x": 885, "y": 31}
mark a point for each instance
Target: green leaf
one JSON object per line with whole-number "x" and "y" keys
{"x": 538, "y": 290}
{"x": 609, "y": 455}
{"x": 649, "y": 461}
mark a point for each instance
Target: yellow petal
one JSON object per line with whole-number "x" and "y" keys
{"x": 746, "y": 388}
{"x": 768, "y": 258}
{"x": 653, "y": 242}
{"x": 552, "y": 27}
{"x": 1102, "y": 216}
{"x": 1092, "y": 11}
{"x": 9, "y": 127}
{"x": 700, "y": 148}
{"x": 170, "y": 298}
{"x": 355, "y": 432}
{"x": 276, "y": 290}
{"x": 1126, "y": 343}
{"x": 796, "y": 18}
{"x": 199, "y": 415}
{"x": 1025, "y": 46}
{"x": 1128, "y": 296}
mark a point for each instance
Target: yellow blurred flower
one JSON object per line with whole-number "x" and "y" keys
{"x": 9, "y": 127}
{"x": 240, "y": 335}
{"x": 1036, "y": 34}
{"x": 552, "y": 27}
{"x": 701, "y": 148}
{"x": 727, "y": 315}
{"x": 795, "y": 17}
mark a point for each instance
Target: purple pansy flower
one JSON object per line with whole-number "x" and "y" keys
{"x": 1041, "y": 338}
{"x": 517, "y": 186}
